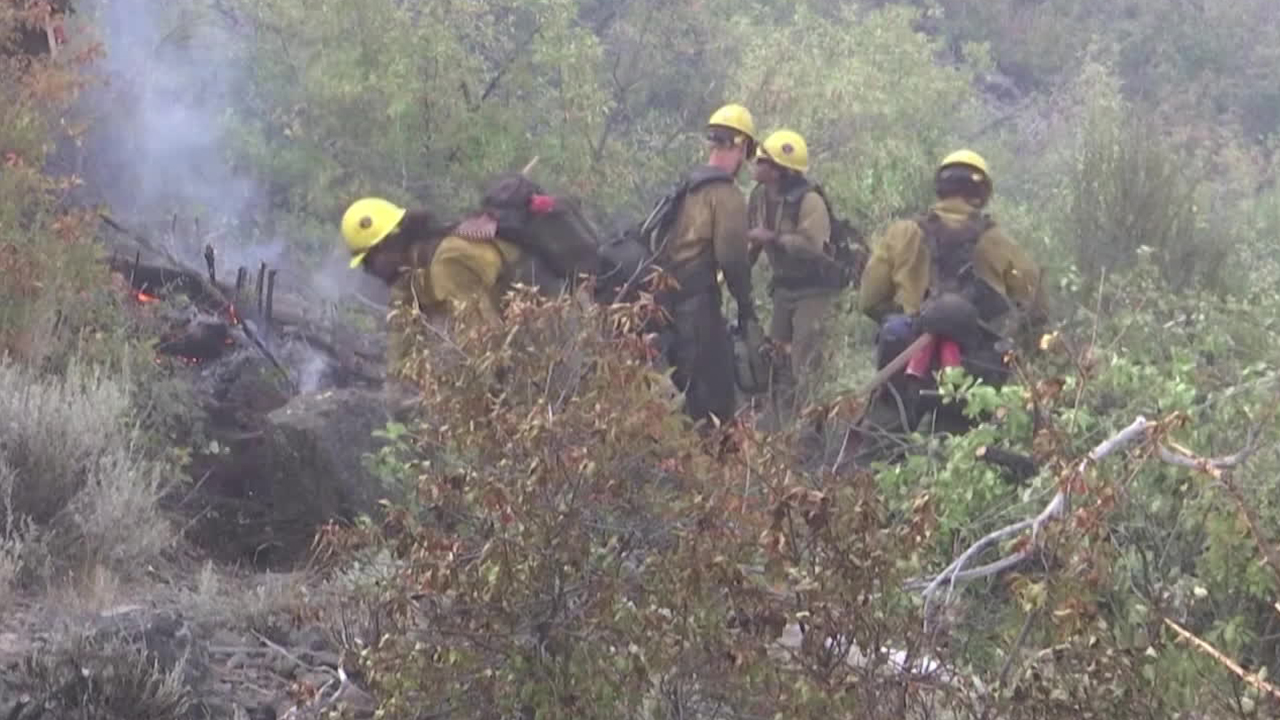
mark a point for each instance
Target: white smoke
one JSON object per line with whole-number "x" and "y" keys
{"x": 311, "y": 371}
{"x": 159, "y": 154}
{"x": 157, "y": 143}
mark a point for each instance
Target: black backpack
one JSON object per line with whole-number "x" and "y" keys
{"x": 951, "y": 254}
{"x": 626, "y": 260}
{"x": 562, "y": 238}
{"x": 847, "y": 247}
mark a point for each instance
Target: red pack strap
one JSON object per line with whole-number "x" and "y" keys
{"x": 542, "y": 204}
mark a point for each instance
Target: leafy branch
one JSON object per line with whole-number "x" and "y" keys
{"x": 1141, "y": 428}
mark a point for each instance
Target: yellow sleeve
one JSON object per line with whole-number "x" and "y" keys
{"x": 467, "y": 271}
{"x": 876, "y": 290}
{"x": 1015, "y": 269}
{"x": 813, "y": 231}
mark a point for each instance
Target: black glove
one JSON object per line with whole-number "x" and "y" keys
{"x": 949, "y": 315}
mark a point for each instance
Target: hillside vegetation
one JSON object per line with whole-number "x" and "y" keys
{"x": 567, "y": 548}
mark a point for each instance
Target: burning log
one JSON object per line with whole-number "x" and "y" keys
{"x": 271, "y": 291}
{"x": 209, "y": 289}
{"x": 154, "y": 282}
{"x": 209, "y": 258}
{"x": 296, "y": 326}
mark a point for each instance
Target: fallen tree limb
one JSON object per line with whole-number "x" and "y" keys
{"x": 1057, "y": 507}
{"x": 1227, "y": 662}
{"x": 1217, "y": 469}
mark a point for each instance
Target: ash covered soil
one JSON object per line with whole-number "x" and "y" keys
{"x": 254, "y": 646}
{"x": 235, "y": 626}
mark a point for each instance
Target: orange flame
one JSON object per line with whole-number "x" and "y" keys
{"x": 144, "y": 297}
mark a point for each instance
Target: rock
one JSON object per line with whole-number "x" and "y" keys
{"x": 167, "y": 638}
{"x": 322, "y": 658}
{"x": 262, "y": 712}
{"x": 310, "y": 638}
{"x": 303, "y": 468}
{"x": 315, "y": 679}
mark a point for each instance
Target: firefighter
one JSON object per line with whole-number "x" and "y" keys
{"x": 951, "y": 272}
{"x": 428, "y": 268}
{"x": 708, "y": 238}
{"x": 791, "y": 223}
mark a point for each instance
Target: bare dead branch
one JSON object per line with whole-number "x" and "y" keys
{"x": 1056, "y": 508}
{"x": 1219, "y": 469}
{"x": 1227, "y": 662}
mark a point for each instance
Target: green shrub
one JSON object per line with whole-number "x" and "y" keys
{"x": 1130, "y": 189}
{"x": 573, "y": 548}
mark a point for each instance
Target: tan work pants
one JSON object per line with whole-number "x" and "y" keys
{"x": 802, "y": 320}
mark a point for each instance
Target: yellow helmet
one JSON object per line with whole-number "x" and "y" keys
{"x": 969, "y": 159}
{"x": 788, "y": 149}
{"x": 368, "y": 222}
{"x": 734, "y": 117}
{"x": 965, "y": 157}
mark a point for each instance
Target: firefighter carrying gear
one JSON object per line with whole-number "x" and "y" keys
{"x": 897, "y": 275}
{"x": 802, "y": 287}
{"x": 367, "y": 222}
{"x": 787, "y": 149}
{"x": 445, "y": 272}
{"x": 438, "y": 270}
{"x": 952, "y": 272}
{"x": 708, "y": 237}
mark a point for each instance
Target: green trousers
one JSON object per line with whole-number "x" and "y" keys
{"x": 801, "y": 319}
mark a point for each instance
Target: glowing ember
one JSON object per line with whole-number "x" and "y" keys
{"x": 144, "y": 297}
{"x": 235, "y": 317}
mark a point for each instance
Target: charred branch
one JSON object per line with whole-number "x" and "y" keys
{"x": 262, "y": 273}
{"x": 202, "y": 340}
{"x": 211, "y": 289}
{"x": 353, "y": 356}
{"x": 271, "y": 291}
{"x": 209, "y": 258}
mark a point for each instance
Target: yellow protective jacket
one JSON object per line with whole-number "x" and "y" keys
{"x": 897, "y": 274}
{"x": 710, "y": 233}
{"x": 800, "y": 251}
{"x": 443, "y": 275}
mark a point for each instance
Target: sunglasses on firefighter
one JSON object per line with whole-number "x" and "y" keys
{"x": 721, "y": 137}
